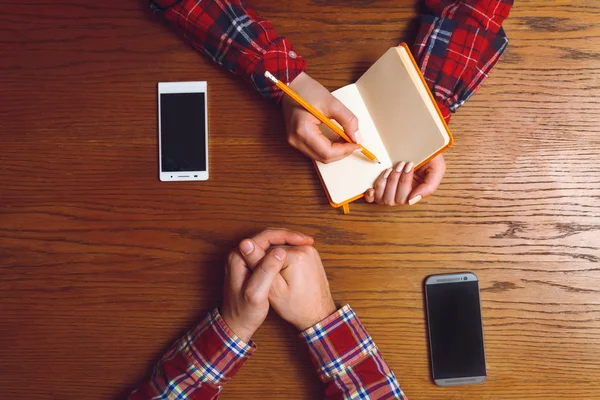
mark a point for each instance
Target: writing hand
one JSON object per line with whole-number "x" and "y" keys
{"x": 302, "y": 127}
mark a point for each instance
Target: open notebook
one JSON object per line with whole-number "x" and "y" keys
{"x": 398, "y": 120}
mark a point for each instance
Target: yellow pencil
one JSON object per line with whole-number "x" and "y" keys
{"x": 317, "y": 114}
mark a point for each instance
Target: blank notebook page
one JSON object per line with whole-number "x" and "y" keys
{"x": 353, "y": 175}
{"x": 401, "y": 108}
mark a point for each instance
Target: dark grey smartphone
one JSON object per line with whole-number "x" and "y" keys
{"x": 455, "y": 329}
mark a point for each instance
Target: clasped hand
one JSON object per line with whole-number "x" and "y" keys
{"x": 292, "y": 280}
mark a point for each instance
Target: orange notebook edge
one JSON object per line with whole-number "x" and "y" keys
{"x": 346, "y": 204}
{"x": 437, "y": 108}
{"x": 334, "y": 205}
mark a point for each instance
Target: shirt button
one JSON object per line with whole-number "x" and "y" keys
{"x": 292, "y": 54}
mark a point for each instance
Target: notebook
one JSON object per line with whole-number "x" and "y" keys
{"x": 398, "y": 121}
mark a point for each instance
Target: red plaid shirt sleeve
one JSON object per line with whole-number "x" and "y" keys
{"x": 347, "y": 360}
{"x": 235, "y": 37}
{"x": 199, "y": 364}
{"x": 458, "y": 44}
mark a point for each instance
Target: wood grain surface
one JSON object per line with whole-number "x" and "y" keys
{"x": 102, "y": 266}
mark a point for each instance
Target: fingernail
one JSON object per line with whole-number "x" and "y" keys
{"x": 409, "y": 167}
{"x": 279, "y": 254}
{"x": 247, "y": 246}
{"x": 400, "y": 166}
{"x": 414, "y": 200}
{"x": 387, "y": 173}
{"x": 358, "y": 137}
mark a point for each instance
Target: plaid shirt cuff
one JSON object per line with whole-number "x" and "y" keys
{"x": 237, "y": 38}
{"x": 214, "y": 351}
{"x": 457, "y": 46}
{"x": 198, "y": 364}
{"x": 283, "y": 62}
{"x": 338, "y": 342}
{"x": 344, "y": 354}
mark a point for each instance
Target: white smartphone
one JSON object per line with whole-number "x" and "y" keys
{"x": 455, "y": 329}
{"x": 182, "y": 131}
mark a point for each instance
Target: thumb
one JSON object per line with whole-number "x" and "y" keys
{"x": 422, "y": 190}
{"x": 433, "y": 178}
{"x": 346, "y": 119}
{"x": 263, "y": 276}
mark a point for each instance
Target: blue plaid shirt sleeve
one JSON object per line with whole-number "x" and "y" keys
{"x": 198, "y": 365}
{"x": 348, "y": 361}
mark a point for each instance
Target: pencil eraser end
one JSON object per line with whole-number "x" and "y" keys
{"x": 270, "y": 77}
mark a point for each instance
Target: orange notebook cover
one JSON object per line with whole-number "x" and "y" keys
{"x": 398, "y": 118}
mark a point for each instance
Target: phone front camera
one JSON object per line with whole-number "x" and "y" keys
{"x": 465, "y": 278}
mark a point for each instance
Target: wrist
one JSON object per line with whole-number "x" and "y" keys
{"x": 322, "y": 313}
{"x": 299, "y": 80}
{"x": 239, "y": 329}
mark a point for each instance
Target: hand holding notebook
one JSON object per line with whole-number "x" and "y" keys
{"x": 399, "y": 120}
{"x": 405, "y": 185}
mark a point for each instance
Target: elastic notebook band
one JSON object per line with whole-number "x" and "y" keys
{"x": 346, "y": 208}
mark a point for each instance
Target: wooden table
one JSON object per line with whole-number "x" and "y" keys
{"x": 103, "y": 266}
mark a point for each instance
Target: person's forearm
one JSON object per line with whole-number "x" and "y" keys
{"x": 457, "y": 45}
{"x": 199, "y": 364}
{"x": 347, "y": 360}
{"x": 235, "y": 37}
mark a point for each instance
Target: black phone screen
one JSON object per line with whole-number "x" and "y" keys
{"x": 455, "y": 330}
{"x": 183, "y": 132}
